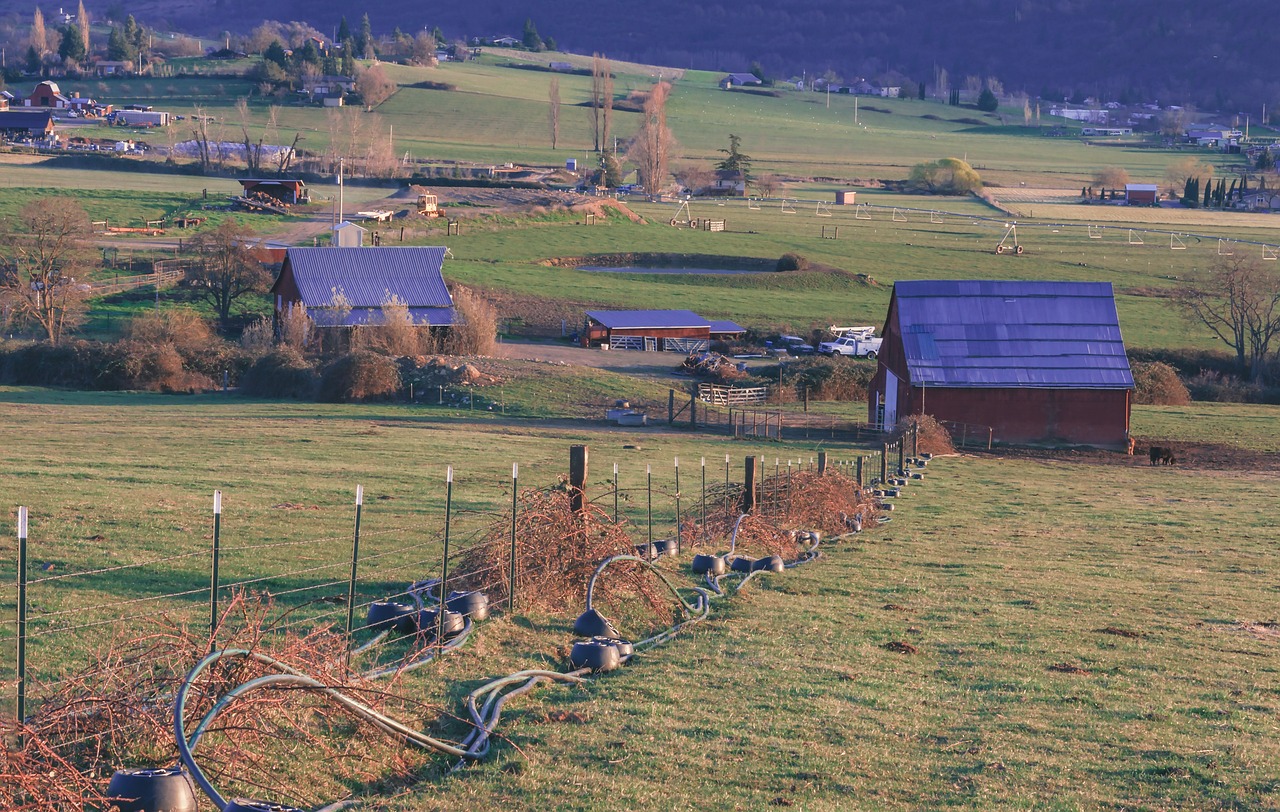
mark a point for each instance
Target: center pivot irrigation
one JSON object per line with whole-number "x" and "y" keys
{"x": 440, "y": 623}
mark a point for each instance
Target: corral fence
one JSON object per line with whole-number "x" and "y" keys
{"x": 732, "y": 395}
{"x": 165, "y": 276}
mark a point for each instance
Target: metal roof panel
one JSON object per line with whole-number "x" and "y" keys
{"x": 640, "y": 319}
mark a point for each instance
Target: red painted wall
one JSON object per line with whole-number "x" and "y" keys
{"x": 1024, "y": 415}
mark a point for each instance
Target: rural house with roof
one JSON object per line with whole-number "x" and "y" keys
{"x": 1035, "y": 361}
{"x": 345, "y": 288}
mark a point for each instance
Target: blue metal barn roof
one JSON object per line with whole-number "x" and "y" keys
{"x": 720, "y": 326}
{"x": 373, "y": 316}
{"x": 641, "y": 319}
{"x": 1060, "y": 335}
{"x": 367, "y": 276}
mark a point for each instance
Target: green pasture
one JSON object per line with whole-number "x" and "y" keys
{"x": 499, "y": 113}
{"x": 1085, "y": 636}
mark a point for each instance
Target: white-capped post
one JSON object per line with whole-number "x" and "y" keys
{"x": 355, "y": 561}
{"x": 22, "y": 614}
{"x": 511, "y": 584}
{"x": 213, "y": 569}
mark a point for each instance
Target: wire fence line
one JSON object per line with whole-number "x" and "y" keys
{"x": 53, "y": 623}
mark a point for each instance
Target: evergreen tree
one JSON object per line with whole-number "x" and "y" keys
{"x": 439, "y": 35}
{"x": 308, "y": 53}
{"x": 33, "y": 59}
{"x": 134, "y": 34}
{"x": 275, "y": 53}
{"x": 1208, "y": 193}
{"x": 82, "y": 23}
{"x": 72, "y": 47}
{"x": 734, "y": 160}
{"x": 119, "y": 49}
{"x": 550, "y": 43}
{"x": 987, "y": 101}
{"x": 344, "y": 30}
{"x": 530, "y": 36}
{"x": 920, "y": 91}
{"x": 365, "y": 48}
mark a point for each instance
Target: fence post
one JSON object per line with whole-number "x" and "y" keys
{"x": 615, "y": 493}
{"x": 915, "y": 439}
{"x": 822, "y": 463}
{"x": 355, "y": 559}
{"x": 677, "y": 464}
{"x": 749, "y": 485}
{"x": 671, "y": 406}
{"x": 726, "y": 486}
{"x": 515, "y": 489}
{"x": 704, "y": 495}
{"x": 648, "y": 472}
{"x": 860, "y": 461}
{"x": 990, "y": 433}
{"x": 884, "y": 463}
{"x": 22, "y": 614}
{"x": 444, "y": 560}
{"x": 693, "y": 409}
{"x": 902, "y": 462}
{"x": 213, "y": 576}
{"x": 577, "y": 476}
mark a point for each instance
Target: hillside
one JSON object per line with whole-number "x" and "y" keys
{"x": 1177, "y": 51}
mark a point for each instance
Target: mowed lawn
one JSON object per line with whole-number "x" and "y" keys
{"x": 1085, "y": 635}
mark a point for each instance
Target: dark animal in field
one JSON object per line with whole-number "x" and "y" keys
{"x": 1162, "y": 456}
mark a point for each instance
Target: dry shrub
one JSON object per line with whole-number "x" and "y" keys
{"x": 556, "y": 553}
{"x": 1157, "y": 384}
{"x": 295, "y": 326}
{"x": 283, "y": 373}
{"x": 397, "y": 335}
{"x": 118, "y": 711}
{"x": 185, "y": 329}
{"x": 835, "y": 378}
{"x": 259, "y": 336}
{"x": 133, "y": 364}
{"x": 791, "y": 261}
{"x": 476, "y": 330}
{"x": 35, "y": 778}
{"x": 933, "y": 438}
{"x": 358, "y": 376}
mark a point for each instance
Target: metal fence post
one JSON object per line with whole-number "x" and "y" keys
{"x": 677, "y": 466}
{"x": 355, "y": 559}
{"x": 704, "y": 494}
{"x": 22, "y": 614}
{"x": 648, "y": 472}
{"x": 726, "y": 486}
{"x": 615, "y": 493}
{"x": 515, "y": 489}
{"x": 444, "y": 566}
{"x": 884, "y": 464}
{"x": 213, "y": 575}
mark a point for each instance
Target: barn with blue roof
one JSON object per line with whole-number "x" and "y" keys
{"x": 655, "y": 330}
{"x": 366, "y": 278}
{"x": 1038, "y": 362}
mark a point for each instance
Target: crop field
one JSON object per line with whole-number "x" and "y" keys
{"x": 1025, "y": 633}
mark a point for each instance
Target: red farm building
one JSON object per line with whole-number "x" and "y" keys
{"x": 1038, "y": 362}
{"x": 655, "y": 330}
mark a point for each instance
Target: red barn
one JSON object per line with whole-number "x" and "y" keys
{"x": 1036, "y": 361}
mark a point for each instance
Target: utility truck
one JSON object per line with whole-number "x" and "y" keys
{"x": 858, "y": 342}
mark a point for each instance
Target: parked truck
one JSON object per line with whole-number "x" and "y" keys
{"x": 139, "y": 118}
{"x": 858, "y": 342}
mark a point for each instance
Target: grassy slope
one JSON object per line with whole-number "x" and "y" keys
{"x": 1001, "y": 569}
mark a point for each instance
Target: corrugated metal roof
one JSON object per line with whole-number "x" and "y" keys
{"x": 719, "y": 326}
{"x": 639, "y": 319}
{"x": 1062, "y": 335}
{"x": 367, "y": 276}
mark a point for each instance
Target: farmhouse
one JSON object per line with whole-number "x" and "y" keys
{"x": 1141, "y": 194}
{"x": 654, "y": 330}
{"x": 366, "y": 278}
{"x": 1035, "y": 361}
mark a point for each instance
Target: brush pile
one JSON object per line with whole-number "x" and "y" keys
{"x": 556, "y": 552}
{"x": 934, "y": 437}
{"x": 118, "y": 712}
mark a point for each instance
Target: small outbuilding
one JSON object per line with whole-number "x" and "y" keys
{"x": 1037, "y": 362}
{"x": 366, "y": 279}
{"x": 1141, "y": 194}
{"x": 284, "y": 190}
{"x": 649, "y": 330}
{"x": 22, "y": 123}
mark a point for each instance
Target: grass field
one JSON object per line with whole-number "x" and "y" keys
{"x": 1147, "y": 589}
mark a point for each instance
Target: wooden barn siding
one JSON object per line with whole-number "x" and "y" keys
{"x": 1026, "y": 415}
{"x": 663, "y": 332}
{"x": 893, "y": 357}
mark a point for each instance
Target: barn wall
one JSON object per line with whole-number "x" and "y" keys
{"x": 663, "y": 332}
{"x": 1086, "y": 416}
{"x": 893, "y": 357}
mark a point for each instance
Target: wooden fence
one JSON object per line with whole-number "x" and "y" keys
{"x": 732, "y": 395}
{"x": 165, "y": 278}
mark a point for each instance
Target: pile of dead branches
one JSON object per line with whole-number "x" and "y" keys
{"x": 933, "y": 439}
{"x": 556, "y": 552}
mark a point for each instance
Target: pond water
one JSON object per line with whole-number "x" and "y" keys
{"x": 643, "y": 269}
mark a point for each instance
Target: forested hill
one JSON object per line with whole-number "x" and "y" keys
{"x": 1217, "y": 55}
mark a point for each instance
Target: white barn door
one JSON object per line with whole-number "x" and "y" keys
{"x": 890, "y": 401}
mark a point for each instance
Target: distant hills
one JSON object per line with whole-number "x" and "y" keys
{"x": 1216, "y": 56}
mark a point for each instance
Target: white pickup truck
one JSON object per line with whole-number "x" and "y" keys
{"x": 859, "y": 342}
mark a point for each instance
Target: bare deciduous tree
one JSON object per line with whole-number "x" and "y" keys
{"x": 553, "y": 111}
{"x": 768, "y": 185}
{"x": 1111, "y": 177}
{"x": 374, "y": 86}
{"x": 695, "y": 177}
{"x": 42, "y": 252}
{"x": 1180, "y": 171}
{"x": 1239, "y": 301}
{"x": 226, "y": 269}
{"x": 653, "y": 143}
{"x": 601, "y": 108}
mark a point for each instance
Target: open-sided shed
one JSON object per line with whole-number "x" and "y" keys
{"x": 1035, "y": 361}
{"x": 652, "y": 330}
